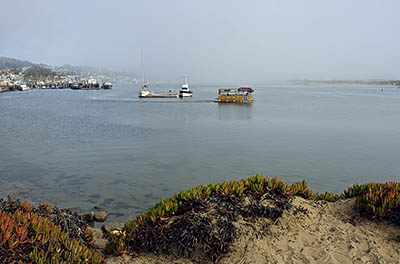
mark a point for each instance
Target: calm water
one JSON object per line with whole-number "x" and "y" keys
{"x": 85, "y": 148}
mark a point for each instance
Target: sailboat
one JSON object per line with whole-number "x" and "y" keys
{"x": 145, "y": 93}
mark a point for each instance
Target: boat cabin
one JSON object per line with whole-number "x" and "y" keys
{"x": 241, "y": 95}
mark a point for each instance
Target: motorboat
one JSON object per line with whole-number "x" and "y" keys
{"x": 184, "y": 91}
{"x": 106, "y": 85}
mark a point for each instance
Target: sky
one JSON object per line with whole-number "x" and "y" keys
{"x": 210, "y": 40}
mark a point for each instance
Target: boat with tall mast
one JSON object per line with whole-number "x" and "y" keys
{"x": 184, "y": 91}
{"x": 145, "y": 93}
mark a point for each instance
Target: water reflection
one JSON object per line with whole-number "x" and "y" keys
{"x": 235, "y": 111}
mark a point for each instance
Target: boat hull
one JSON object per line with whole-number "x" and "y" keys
{"x": 185, "y": 95}
{"x": 235, "y": 99}
{"x": 159, "y": 96}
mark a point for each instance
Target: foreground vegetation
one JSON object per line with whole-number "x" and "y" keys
{"x": 26, "y": 237}
{"x": 377, "y": 201}
{"x": 197, "y": 221}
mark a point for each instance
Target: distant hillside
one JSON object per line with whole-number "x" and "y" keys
{"x": 14, "y": 64}
{"x": 37, "y": 72}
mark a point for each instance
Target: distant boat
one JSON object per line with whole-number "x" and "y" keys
{"x": 145, "y": 93}
{"x": 75, "y": 86}
{"x": 91, "y": 81}
{"x": 24, "y": 87}
{"x": 106, "y": 85}
{"x": 184, "y": 91}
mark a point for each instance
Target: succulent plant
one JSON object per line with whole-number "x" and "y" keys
{"x": 27, "y": 237}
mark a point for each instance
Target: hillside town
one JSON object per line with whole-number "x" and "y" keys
{"x": 20, "y": 82}
{"x": 17, "y": 75}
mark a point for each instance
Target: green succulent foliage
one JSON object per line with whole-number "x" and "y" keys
{"x": 376, "y": 199}
{"x": 24, "y": 235}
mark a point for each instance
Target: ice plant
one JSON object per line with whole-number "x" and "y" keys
{"x": 26, "y": 237}
{"x": 377, "y": 200}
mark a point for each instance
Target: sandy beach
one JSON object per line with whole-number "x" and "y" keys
{"x": 308, "y": 232}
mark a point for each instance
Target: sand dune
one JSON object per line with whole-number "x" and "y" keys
{"x": 309, "y": 232}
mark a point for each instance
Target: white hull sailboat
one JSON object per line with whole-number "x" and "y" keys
{"x": 145, "y": 93}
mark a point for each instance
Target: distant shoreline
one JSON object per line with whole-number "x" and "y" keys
{"x": 348, "y": 82}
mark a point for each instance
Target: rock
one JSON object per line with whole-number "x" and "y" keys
{"x": 97, "y": 233}
{"x": 100, "y": 243}
{"x": 89, "y": 217}
{"x": 112, "y": 226}
{"x": 100, "y": 216}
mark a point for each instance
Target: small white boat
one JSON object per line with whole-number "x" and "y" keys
{"x": 143, "y": 93}
{"x": 184, "y": 91}
{"x": 107, "y": 85}
{"x": 24, "y": 87}
{"x": 91, "y": 81}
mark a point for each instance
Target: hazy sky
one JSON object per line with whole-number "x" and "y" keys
{"x": 210, "y": 40}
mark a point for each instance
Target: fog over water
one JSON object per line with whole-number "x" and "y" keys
{"x": 212, "y": 41}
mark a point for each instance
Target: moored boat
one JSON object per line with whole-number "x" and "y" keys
{"x": 145, "y": 93}
{"x": 24, "y": 87}
{"x": 75, "y": 86}
{"x": 106, "y": 85}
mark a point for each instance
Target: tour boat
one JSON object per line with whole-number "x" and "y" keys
{"x": 241, "y": 95}
{"x": 184, "y": 91}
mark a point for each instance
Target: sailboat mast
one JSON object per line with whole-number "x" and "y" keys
{"x": 142, "y": 68}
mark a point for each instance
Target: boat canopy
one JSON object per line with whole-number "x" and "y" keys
{"x": 246, "y": 89}
{"x": 239, "y": 91}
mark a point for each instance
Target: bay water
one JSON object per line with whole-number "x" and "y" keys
{"x": 77, "y": 149}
